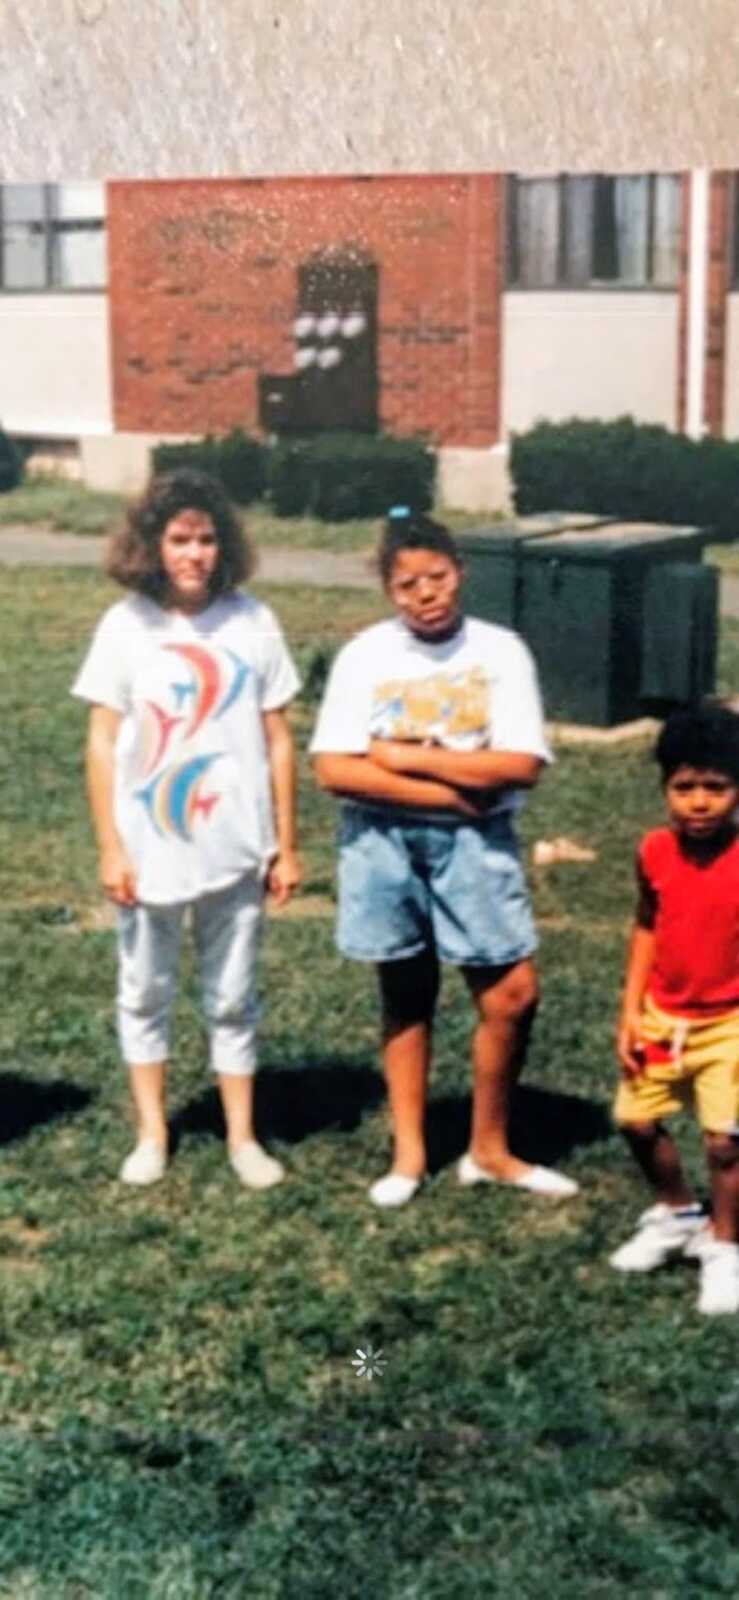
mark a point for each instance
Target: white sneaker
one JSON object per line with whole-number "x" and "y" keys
{"x": 254, "y": 1168}
{"x": 719, "y": 1293}
{"x": 395, "y": 1189}
{"x": 661, "y": 1232}
{"x": 146, "y": 1164}
{"x": 702, "y": 1240}
{"x": 538, "y": 1180}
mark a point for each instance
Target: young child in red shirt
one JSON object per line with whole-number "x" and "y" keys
{"x": 678, "y": 1034}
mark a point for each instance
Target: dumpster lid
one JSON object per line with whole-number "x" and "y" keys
{"x": 621, "y": 541}
{"x": 557, "y": 521}
{"x": 504, "y": 535}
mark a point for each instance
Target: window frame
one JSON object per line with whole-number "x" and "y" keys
{"x": 593, "y": 285}
{"x": 733, "y": 251}
{"x": 53, "y": 226}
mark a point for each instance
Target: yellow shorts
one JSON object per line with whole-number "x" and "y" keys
{"x": 690, "y": 1061}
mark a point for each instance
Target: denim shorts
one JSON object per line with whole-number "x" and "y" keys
{"x": 454, "y": 887}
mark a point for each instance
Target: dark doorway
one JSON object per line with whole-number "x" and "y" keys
{"x": 335, "y": 383}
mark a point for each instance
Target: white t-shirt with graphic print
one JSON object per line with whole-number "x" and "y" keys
{"x": 477, "y": 690}
{"x": 192, "y": 792}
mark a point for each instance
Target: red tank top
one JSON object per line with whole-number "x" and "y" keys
{"x": 696, "y": 958}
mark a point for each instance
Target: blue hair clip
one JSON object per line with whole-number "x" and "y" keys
{"x": 396, "y": 512}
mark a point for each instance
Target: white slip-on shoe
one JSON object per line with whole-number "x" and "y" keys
{"x": 146, "y": 1164}
{"x": 254, "y": 1167}
{"x": 469, "y": 1172}
{"x": 662, "y": 1231}
{"x": 538, "y": 1180}
{"x": 719, "y": 1292}
{"x": 395, "y": 1189}
{"x": 544, "y": 1180}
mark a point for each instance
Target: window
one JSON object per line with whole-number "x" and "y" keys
{"x": 594, "y": 231}
{"x": 734, "y": 228}
{"x": 52, "y": 236}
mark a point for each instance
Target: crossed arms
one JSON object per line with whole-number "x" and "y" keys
{"x": 425, "y": 775}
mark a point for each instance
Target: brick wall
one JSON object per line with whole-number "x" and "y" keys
{"x": 203, "y": 286}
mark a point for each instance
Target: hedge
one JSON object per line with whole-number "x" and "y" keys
{"x": 337, "y": 476}
{"x": 628, "y": 470}
{"x": 236, "y": 460}
{"x": 11, "y": 463}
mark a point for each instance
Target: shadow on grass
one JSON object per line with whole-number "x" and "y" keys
{"x": 26, "y": 1103}
{"x": 545, "y": 1126}
{"x": 293, "y": 1104}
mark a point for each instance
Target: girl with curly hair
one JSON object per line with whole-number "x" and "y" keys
{"x": 191, "y": 783}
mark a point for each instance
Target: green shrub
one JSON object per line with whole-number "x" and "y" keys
{"x": 242, "y": 466}
{"x": 337, "y": 476}
{"x": 200, "y": 454}
{"x": 290, "y": 478}
{"x": 236, "y": 460}
{"x": 630, "y": 470}
{"x": 11, "y": 463}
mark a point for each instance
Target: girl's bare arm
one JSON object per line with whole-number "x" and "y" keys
{"x": 639, "y": 964}
{"x": 285, "y": 871}
{"x": 117, "y": 875}
{"x": 362, "y": 777}
{"x": 469, "y": 769}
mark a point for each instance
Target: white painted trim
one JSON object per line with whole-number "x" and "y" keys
{"x": 697, "y": 305}
{"x": 54, "y": 429}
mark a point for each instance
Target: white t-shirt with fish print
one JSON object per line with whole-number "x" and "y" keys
{"x": 192, "y": 792}
{"x": 477, "y": 690}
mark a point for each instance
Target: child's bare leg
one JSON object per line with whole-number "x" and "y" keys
{"x": 408, "y": 991}
{"x": 227, "y": 928}
{"x": 149, "y": 941}
{"x": 237, "y": 1099}
{"x": 148, "y": 1083}
{"x": 656, "y": 1153}
{"x": 252, "y": 1165}
{"x": 147, "y": 1162}
{"x": 723, "y": 1160}
{"x": 506, "y": 1003}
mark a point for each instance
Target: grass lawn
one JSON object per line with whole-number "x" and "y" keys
{"x": 71, "y": 508}
{"x": 180, "y": 1417}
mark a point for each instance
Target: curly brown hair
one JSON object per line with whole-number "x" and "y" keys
{"x": 133, "y": 553}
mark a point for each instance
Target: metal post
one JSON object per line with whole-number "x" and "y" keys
{"x": 697, "y": 305}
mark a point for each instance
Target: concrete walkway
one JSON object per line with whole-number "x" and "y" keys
{"x": 729, "y": 595}
{"x": 35, "y": 546}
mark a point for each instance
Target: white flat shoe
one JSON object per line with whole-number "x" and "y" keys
{"x": 394, "y": 1189}
{"x": 254, "y": 1167}
{"x": 538, "y": 1180}
{"x": 146, "y": 1164}
{"x": 719, "y": 1291}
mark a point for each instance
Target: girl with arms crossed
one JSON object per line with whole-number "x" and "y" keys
{"x": 430, "y": 728}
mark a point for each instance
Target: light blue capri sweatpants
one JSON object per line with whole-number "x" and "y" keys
{"x": 226, "y": 930}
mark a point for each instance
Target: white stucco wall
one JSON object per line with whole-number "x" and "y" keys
{"x": 55, "y": 364}
{"x": 589, "y": 354}
{"x": 731, "y": 373}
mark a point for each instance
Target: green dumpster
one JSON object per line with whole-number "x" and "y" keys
{"x": 492, "y": 561}
{"x": 621, "y": 622}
